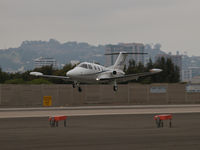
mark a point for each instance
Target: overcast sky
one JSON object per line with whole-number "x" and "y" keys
{"x": 173, "y": 23}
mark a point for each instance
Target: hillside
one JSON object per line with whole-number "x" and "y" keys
{"x": 22, "y": 58}
{"x": 14, "y": 58}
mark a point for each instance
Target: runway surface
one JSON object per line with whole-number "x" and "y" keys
{"x": 97, "y": 110}
{"x": 101, "y": 132}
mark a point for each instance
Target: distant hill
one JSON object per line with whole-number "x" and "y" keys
{"x": 14, "y": 59}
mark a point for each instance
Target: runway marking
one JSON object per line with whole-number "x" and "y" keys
{"x": 103, "y": 111}
{"x": 100, "y": 107}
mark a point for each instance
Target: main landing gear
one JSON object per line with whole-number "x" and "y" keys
{"x": 115, "y": 87}
{"x": 75, "y": 84}
{"x": 79, "y": 89}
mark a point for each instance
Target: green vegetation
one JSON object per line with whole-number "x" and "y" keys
{"x": 3, "y": 76}
{"x": 170, "y": 74}
{"x": 15, "y": 81}
{"x": 25, "y": 78}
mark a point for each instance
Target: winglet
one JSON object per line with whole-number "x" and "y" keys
{"x": 36, "y": 73}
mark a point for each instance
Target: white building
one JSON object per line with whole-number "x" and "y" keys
{"x": 42, "y": 61}
{"x": 195, "y": 71}
{"x": 186, "y": 75}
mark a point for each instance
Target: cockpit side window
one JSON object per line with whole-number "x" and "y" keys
{"x": 89, "y": 66}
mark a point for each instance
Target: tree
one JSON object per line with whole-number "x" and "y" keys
{"x": 3, "y": 76}
{"x": 49, "y": 70}
{"x": 64, "y": 70}
{"x": 45, "y": 70}
{"x": 149, "y": 65}
{"x": 131, "y": 67}
{"x": 170, "y": 73}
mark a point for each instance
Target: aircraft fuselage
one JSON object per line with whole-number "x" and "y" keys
{"x": 91, "y": 73}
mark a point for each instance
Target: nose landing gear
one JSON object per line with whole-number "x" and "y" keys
{"x": 76, "y": 84}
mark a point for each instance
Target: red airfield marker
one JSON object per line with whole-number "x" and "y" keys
{"x": 159, "y": 119}
{"x": 54, "y": 120}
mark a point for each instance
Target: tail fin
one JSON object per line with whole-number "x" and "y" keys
{"x": 120, "y": 62}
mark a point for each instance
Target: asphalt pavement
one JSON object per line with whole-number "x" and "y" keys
{"x": 101, "y": 132}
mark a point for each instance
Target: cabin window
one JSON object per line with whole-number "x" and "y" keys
{"x": 95, "y": 68}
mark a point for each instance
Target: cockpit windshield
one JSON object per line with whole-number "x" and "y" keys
{"x": 89, "y": 66}
{"x": 83, "y": 65}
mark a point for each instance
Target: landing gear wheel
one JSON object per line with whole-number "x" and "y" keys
{"x": 115, "y": 88}
{"x": 79, "y": 89}
{"x": 73, "y": 85}
{"x": 158, "y": 122}
{"x": 170, "y": 124}
{"x": 65, "y": 124}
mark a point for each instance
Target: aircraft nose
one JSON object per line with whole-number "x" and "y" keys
{"x": 70, "y": 73}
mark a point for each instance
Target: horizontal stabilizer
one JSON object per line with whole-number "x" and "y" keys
{"x": 125, "y": 53}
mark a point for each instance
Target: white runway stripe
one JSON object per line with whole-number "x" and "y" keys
{"x": 97, "y": 110}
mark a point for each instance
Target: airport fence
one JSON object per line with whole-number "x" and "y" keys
{"x": 127, "y": 94}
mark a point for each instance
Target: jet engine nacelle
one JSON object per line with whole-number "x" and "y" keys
{"x": 114, "y": 72}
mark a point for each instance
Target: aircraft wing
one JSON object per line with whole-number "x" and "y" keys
{"x": 39, "y": 74}
{"x": 131, "y": 76}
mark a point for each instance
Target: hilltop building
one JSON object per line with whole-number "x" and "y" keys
{"x": 42, "y": 61}
{"x": 186, "y": 75}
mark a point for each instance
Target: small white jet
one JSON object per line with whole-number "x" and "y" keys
{"x": 87, "y": 72}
